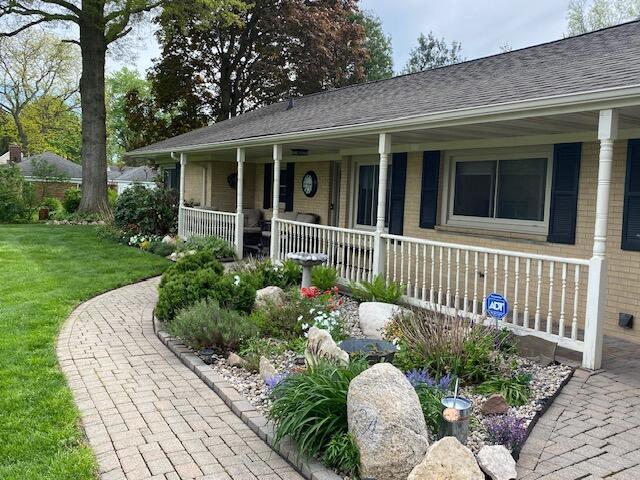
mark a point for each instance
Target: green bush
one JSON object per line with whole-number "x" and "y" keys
{"x": 53, "y": 204}
{"x": 162, "y": 248}
{"x": 147, "y": 211}
{"x": 206, "y": 324}
{"x": 71, "y": 200}
{"x": 18, "y": 200}
{"x": 216, "y": 245}
{"x": 112, "y": 197}
{"x": 190, "y": 263}
{"x": 311, "y": 407}
{"x": 231, "y": 292}
{"x": 343, "y": 454}
{"x": 282, "y": 321}
{"x": 109, "y": 231}
{"x": 379, "y": 290}
{"x": 263, "y": 273}
{"x": 515, "y": 390}
{"x": 324, "y": 277}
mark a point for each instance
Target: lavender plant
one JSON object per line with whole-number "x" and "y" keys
{"x": 417, "y": 377}
{"x": 507, "y": 430}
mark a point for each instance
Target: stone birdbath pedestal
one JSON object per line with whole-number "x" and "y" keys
{"x": 308, "y": 261}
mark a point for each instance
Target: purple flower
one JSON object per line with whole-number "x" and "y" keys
{"x": 417, "y": 377}
{"x": 506, "y": 430}
{"x": 274, "y": 380}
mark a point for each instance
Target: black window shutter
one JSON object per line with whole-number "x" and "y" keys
{"x": 429, "y": 194}
{"x": 396, "y": 201}
{"x": 267, "y": 198}
{"x": 288, "y": 203}
{"x": 564, "y": 193}
{"x": 631, "y": 213}
{"x": 175, "y": 178}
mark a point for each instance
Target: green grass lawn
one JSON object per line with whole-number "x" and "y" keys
{"x": 45, "y": 271}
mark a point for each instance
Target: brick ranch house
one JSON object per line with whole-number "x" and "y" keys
{"x": 517, "y": 173}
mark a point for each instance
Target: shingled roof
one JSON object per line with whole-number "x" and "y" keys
{"x": 599, "y": 60}
{"x": 62, "y": 165}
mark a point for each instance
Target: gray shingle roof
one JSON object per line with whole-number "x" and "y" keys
{"x": 137, "y": 174}
{"x": 64, "y": 166}
{"x": 599, "y": 60}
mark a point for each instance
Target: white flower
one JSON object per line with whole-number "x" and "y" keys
{"x": 300, "y": 317}
{"x": 305, "y": 326}
{"x": 312, "y": 311}
{"x": 236, "y": 280}
{"x": 306, "y": 334}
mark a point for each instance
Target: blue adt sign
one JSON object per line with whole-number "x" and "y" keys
{"x": 497, "y": 306}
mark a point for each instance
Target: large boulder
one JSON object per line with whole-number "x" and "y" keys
{"x": 497, "y": 462}
{"x": 495, "y": 405}
{"x": 321, "y": 346}
{"x": 375, "y": 316}
{"x": 386, "y": 422}
{"x": 266, "y": 369}
{"x": 447, "y": 459}
{"x": 270, "y": 295}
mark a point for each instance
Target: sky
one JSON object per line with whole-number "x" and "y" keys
{"x": 481, "y": 26}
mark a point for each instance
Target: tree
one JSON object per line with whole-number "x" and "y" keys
{"x": 33, "y": 66}
{"x": 379, "y": 62}
{"x": 215, "y": 67}
{"x": 99, "y": 23}
{"x": 432, "y": 53}
{"x": 587, "y": 15}
{"x": 48, "y": 174}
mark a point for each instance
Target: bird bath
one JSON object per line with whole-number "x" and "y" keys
{"x": 307, "y": 261}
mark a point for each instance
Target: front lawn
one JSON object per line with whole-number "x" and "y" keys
{"x": 45, "y": 272}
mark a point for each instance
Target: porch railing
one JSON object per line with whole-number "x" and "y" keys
{"x": 547, "y": 294}
{"x": 349, "y": 251}
{"x": 197, "y": 222}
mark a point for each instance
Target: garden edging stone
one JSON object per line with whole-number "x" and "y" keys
{"x": 311, "y": 469}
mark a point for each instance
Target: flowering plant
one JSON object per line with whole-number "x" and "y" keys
{"x": 418, "y": 377}
{"x": 141, "y": 241}
{"x": 507, "y": 430}
{"x": 324, "y": 312}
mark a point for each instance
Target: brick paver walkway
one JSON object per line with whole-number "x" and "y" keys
{"x": 145, "y": 414}
{"x": 592, "y": 430}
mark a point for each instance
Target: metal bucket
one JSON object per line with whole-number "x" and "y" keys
{"x": 454, "y": 418}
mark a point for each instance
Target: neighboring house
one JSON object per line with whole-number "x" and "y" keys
{"x": 68, "y": 174}
{"x": 4, "y": 158}
{"x": 135, "y": 175}
{"x": 517, "y": 173}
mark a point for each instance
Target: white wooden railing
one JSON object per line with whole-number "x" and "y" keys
{"x": 547, "y": 294}
{"x": 196, "y": 222}
{"x": 349, "y": 251}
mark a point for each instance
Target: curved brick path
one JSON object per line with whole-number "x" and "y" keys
{"x": 145, "y": 414}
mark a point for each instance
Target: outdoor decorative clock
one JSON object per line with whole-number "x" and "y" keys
{"x": 310, "y": 184}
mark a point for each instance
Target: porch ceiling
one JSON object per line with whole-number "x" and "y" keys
{"x": 581, "y": 126}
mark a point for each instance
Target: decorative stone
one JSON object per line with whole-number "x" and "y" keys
{"x": 495, "y": 405}
{"x": 497, "y": 462}
{"x": 235, "y": 360}
{"x": 321, "y": 346}
{"x": 266, "y": 369}
{"x": 169, "y": 239}
{"x": 447, "y": 459}
{"x": 536, "y": 349}
{"x": 272, "y": 294}
{"x": 386, "y": 422}
{"x": 307, "y": 261}
{"x": 375, "y": 316}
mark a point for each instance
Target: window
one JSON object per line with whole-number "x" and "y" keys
{"x": 506, "y": 192}
{"x": 367, "y": 194}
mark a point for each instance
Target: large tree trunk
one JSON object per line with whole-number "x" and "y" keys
{"x": 24, "y": 140}
{"x": 92, "y": 101}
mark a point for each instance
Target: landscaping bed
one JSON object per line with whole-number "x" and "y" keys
{"x": 279, "y": 346}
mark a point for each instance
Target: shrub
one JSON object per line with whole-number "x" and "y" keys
{"x": 71, "y": 199}
{"x": 343, "y": 454}
{"x": 112, "y": 197}
{"x": 110, "y": 232}
{"x": 146, "y": 211}
{"x": 324, "y": 277}
{"x": 283, "y": 321}
{"x": 162, "y": 248}
{"x": 231, "y": 292}
{"x": 448, "y": 344}
{"x": 216, "y": 245}
{"x": 53, "y": 204}
{"x": 506, "y": 430}
{"x": 379, "y": 290}
{"x": 515, "y": 390}
{"x": 311, "y": 407}
{"x": 190, "y": 263}
{"x": 18, "y": 200}
{"x": 264, "y": 273}
{"x": 206, "y": 324}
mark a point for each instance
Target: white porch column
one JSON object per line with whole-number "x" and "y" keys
{"x": 384, "y": 149}
{"x": 275, "y": 240}
{"x": 597, "y": 287}
{"x": 240, "y": 156}
{"x": 183, "y": 168}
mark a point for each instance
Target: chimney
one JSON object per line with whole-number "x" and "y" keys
{"x": 15, "y": 153}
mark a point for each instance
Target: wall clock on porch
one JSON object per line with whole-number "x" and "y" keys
{"x": 310, "y": 184}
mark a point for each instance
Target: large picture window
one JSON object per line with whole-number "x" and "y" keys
{"x": 503, "y": 193}
{"x": 367, "y": 177}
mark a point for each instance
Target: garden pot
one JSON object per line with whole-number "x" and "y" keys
{"x": 454, "y": 418}
{"x": 374, "y": 350}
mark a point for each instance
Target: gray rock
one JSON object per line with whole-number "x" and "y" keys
{"x": 495, "y": 405}
{"x": 447, "y": 459}
{"x": 321, "y": 346}
{"x": 386, "y": 422}
{"x": 235, "y": 360}
{"x": 266, "y": 369}
{"x": 497, "y": 462}
{"x": 375, "y": 316}
{"x": 273, "y": 295}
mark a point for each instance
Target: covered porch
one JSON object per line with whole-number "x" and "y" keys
{"x": 556, "y": 290}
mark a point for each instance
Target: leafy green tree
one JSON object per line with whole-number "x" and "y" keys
{"x": 18, "y": 199}
{"x": 432, "y": 52}
{"x": 587, "y": 15}
{"x": 379, "y": 62}
{"x": 48, "y": 174}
